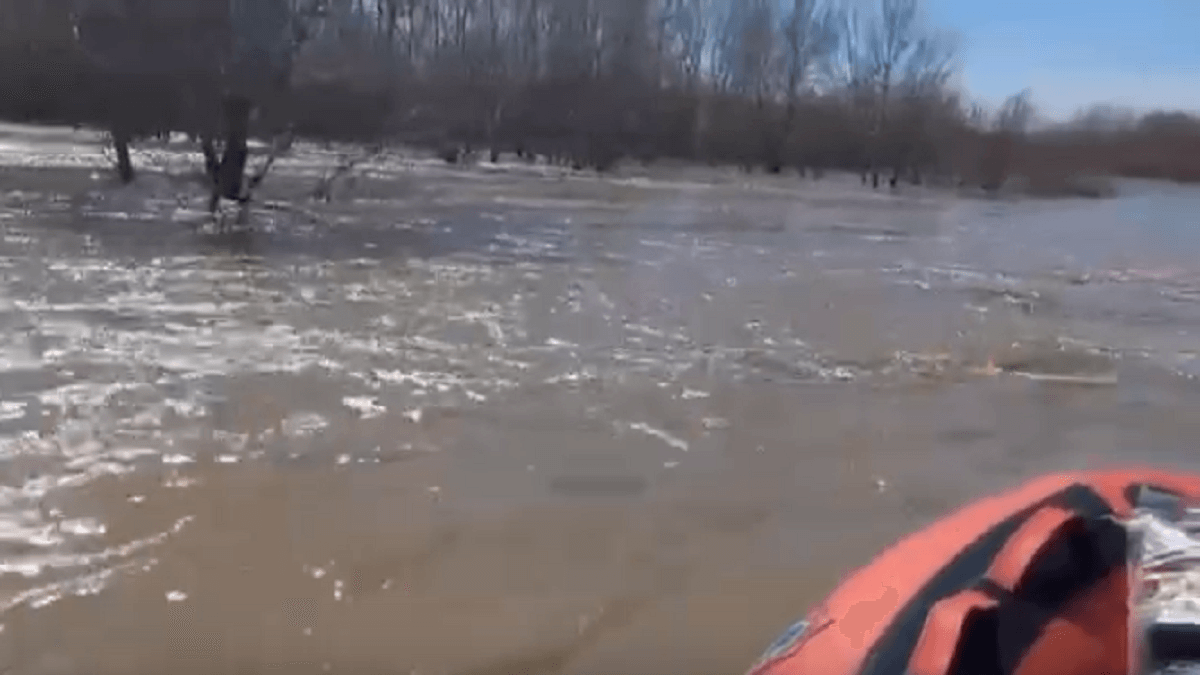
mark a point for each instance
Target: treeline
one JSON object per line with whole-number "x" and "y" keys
{"x": 802, "y": 84}
{"x": 1112, "y": 142}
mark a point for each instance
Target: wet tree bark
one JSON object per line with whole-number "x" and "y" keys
{"x": 233, "y": 160}
{"x": 212, "y": 162}
{"x": 227, "y": 169}
{"x": 121, "y": 139}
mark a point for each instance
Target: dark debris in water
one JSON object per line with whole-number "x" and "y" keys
{"x": 1056, "y": 360}
{"x": 599, "y": 486}
{"x": 864, "y": 231}
{"x": 1028, "y": 300}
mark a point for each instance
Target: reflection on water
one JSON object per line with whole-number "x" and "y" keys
{"x": 506, "y": 420}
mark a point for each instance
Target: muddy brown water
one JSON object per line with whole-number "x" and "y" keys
{"x": 502, "y": 420}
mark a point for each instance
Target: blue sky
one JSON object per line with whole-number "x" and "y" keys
{"x": 1140, "y": 53}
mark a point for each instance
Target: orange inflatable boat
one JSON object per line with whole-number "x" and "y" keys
{"x": 1035, "y": 581}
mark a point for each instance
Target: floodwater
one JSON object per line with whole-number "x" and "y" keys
{"x": 503, "y": 420}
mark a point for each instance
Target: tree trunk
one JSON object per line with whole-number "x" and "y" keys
{"x": 121, "y": 138}
{"x": 233, "y": 161}
{"x": 212, "y": 162}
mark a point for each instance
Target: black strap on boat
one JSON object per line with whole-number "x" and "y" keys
{"x": 1071, "y": 565}
{"x": 1088, "y": 557}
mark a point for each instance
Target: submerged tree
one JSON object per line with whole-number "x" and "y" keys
{"x": 771, "y": 83}
{"x": 200, "y": 66}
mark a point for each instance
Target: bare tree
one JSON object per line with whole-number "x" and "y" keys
{"x": 192, "y": 53}
{"x": 977, "y": 116}
{"x": 854, "y": 79}
{"x": 1015, "y": 114}
{"x": 891, "y": 38}
{"x": 810, "y": 37}
{"x": 930, "y": 66}
{"x": 625, "y": 33}
{"x": 922, "y": 108}
{"x": 571, "y": 40}
{"x": 1105, "y": 118}
{"x": 687, "y": 28}
{"x": 805, "y": 83}
{"x": 750, "y": 49}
